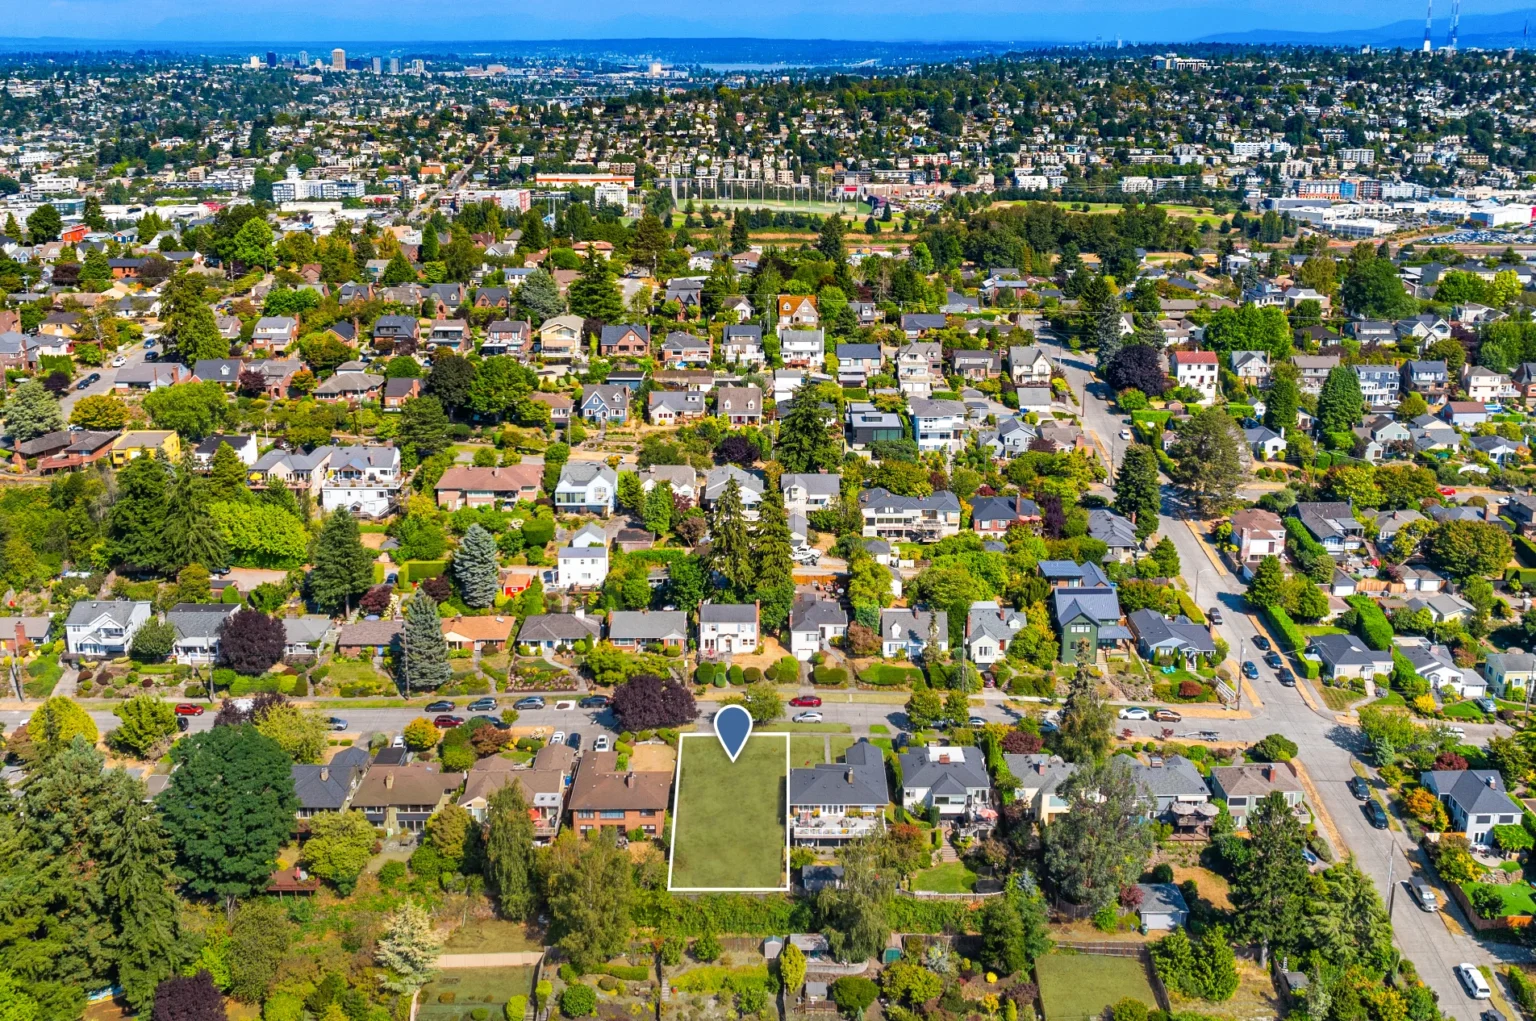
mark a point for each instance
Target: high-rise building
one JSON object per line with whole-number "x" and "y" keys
{"x": 378, "y": 66}
{"x": 338, "y": 59}
{"x": 418, "y": 66}
{"x": 271, "y": 59}
{"x": 394, "y": 65}
{"x": 303, "y": 58}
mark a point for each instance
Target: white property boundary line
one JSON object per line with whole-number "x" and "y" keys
{"x": 677, "y": 789}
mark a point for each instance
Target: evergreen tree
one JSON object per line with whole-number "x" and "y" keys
{"x": 1267, "y": 589}
{"x": 474, "y": 564}
{"x": 226, "y": 476}
{"x": 423, "y": 426}
{"x": 805, "y": 442}
{"x": 399, "y": 271}
{"x": 194, "y": 335}
{"x": 509, "y": 866}
{"x": 32, "y": 412}
{"x": 775, "y": 584}
{"x": 136, "y": 532}
{"x": 424, "y": 658}
{"x": 730, "y": 548}
{"x": 648, "y": 243}
{"x": 741, "y": 237}
{"x": 139, "y": 891}
{"x": 1084, "y": 734}
{"x": 1207, "y": 461}
{"x": 1280, "y": 404}
{"x": 343, "y": 566}
{"x": 659, "y": 508}
{"x": 1270, "y": 884}
{"x": 593, "y": 294}
{"x": 191, "y": 537}
{"x": 1340, "y": 404}
{"x": 431, "y": 245}
{"x": 1138, "y": 493}
{"x": 539, "y": 297}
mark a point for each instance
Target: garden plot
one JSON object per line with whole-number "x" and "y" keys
{"x": 729, "y": 819}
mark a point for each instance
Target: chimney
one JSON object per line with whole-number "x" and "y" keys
{"x": 629, "y": 779}
{"x": 325, "y": 774}
{"x": 1040, "y": 767}
{"x": 1491, "y": 781}
{"x": 21, "y": 637}
{"x": 1269, "y": 771}
{"x": 581, "y": 613}
{"x": 848, "y": 776}
{"x": 389, "y": 780}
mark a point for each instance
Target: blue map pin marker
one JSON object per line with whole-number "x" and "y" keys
{"x": 733, "y": 725}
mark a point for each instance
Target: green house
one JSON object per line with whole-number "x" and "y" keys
{"x": 1091, "y": 614}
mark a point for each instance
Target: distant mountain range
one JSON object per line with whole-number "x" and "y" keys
{"x": 1487, "y": 31}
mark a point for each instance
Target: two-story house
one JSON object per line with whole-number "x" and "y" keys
{"x": 1314, "y": 370}
{"x": 400, "y": 799}
{"x": 977, "y": 365}
{"x": 909, "y": 518}
{"x": 449, "y": 335}
{"x": 1333, "y": 525}
{"x": 1251, "y": 368}
{"x": 813, "y": 623}
{"x": 866, "y": 425}
{"x": 797, "y": 311}
{"x": 1243, "y": 787}
{"x": 857, "y": 362}
{"x": 805, "y": 492}
{"x": 1029, "y": 366}
{"x": 586, "y": 487}
{"x": 938, "y": 426}
{"x": 513, "y": 337}
{"x": 626, "y": 341}
{"x": 543, "y": 785}
{"x": 99, "y": 630}
{"x": 601, "y": 402}
{"x": 686, "y": 351}
{"x": 748, "y": 484}
{"x": 603, "y": 796}
{"x": 581, "y": 567}
{"x": 328, "y": 787}
{"x": 1484, "y": 386}
{"x": 1379, "y": 384}
{"x": 1425, "y": 377}
{"x": 467, "y": 486}
{"x": 275, "y": 334}
{"x": 1038, "y": 778}
{"x": 989, "y": 630}
{"x": 1087, "y": 615}
{"x": 364, "y": 478}
{"x": 1510, "y": 672}
{"x": 836, "y": 802}
{"x": 1198, "y": 370}
{"x": 740, "y": 405}
{"x": 727, "y": 628}
{"x": 742, "y": 344}
{"x": 920, "y": 368}
{"x": 950, "y": 780}
{"x": 559, "y": 338}
{"x": 199, "y": 627}
{"x": 905, "y": 632}
{"x": 1476, "y": 800}
{"x": 803, "y": 348}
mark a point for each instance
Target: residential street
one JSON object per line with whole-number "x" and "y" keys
{"x": 134, "y": 356}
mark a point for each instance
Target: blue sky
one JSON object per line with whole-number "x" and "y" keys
{"x": 405, "y": 21}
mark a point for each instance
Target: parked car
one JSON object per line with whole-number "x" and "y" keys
{"x": 1360, "y": 787}
{"x": 1167, "y": 716}
{"x": 1273, "y": 660}
{"x": 806, "y": 701}
{"x": 447, "y": 722}
{"x": 1250, "y": 670}
{"x": 600, "y": 743}
{"x": 1125, "y": 434}
{"x": 188, "y": 709}
{"x": 531, "y": 702}
{"x": 337, "y": 723}
{"x": 1477, "y": 986}
{"x": 85, "y": 383}
{"x": 1376, "y": 814}
{"x": 1261, "y": 643}
{"x": 1134, "y": 712}
{"x": 594, "y": 702}
{"x": 975, "y": 721}
{"x": 558, "y": 737}
{"x": 482, "y": 705}
{"x": 119, "y": 362}
{"x": 1488, "y": 705}
{"x": 1286, "y": 678}
{"x": 1214, "y": 615}
{"x": 442, "y": 705}
{"x": 491, "y": 721}
{"x": 574, "y": 741}
{"x": 811, "y": 717}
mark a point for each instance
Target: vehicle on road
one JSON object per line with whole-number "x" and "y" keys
{"x": 442, "y": 705}
{"x": 1125, "y": 434}
{"x": 594, "y": 702}
{"x": 1287, "y": 678}
{"x": 491, "y": 721}
{"x": 600, "y": 743}
{"x": 1273, "y": 660}
{"x": 119, "y": 362}
{"x": 1250, "y": 670}
{"x": 1214, "y": 616}
{"x": 337, "y": 723}
{"x": 483, "y": 705}
{"x": 1447, "y": 491}
{"x": 1261, "y": 643}
{"x": 1360, "y": 787}
{"x": 85, "y": 383}
{"x": 1457, "y": 732}
{"x": 1376, "y": 814}
{"x": 1423, "y": 893}
{"x": 1134, "y": 712}
{"x": 558, "y": 737}
{"x": 188, "y": 709}
{"x": 975, "y": 721}
{"x": 811, "y": 717}
{"x": 1049, "y": 727}
{"x": 149, "y": 342}
{"x": 806, "y": 701}
{"x": 1167, "y": 716}
{"x": 1472, "y": 979}
{"x": 447, "y": 721}
{"x": 806, "y": 555}
{"x": 531, "y": 702}
{"x": 562, "y": 704}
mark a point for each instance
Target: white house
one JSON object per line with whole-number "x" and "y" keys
{"x": 726, "y": 628}
{"x": 919, "y": 368}
{"x": 809, "y": 491}
{"x": 1029, "y": 366}
{"x": 1475, "y": 800}
{"x": 938, "y": 425}
{"x": 988, "y": 630}
{"x": 99, "y": 629}
{"x": 948, "y": 778}
{"x": 364, "y": 478}
{"x": 904, "y": 632}
{"x": 1196, "y": 369}
{"x": 1435, "y": 664}
{"x": 803, "y": 349}
{"x": 198, "y": 627}
{"x": 581, "y": 566}
{"x": 748, "y": 483}
{"x": 586, "y": 487}
{"x": 813, "y": 623}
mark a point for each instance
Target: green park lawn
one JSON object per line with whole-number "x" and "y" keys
{"x": 951, "y": 877}
{"x": 1077, "y": 987}
{"x": 728, "y": 830}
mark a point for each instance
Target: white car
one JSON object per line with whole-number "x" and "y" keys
{"x": 808, "y": 718}
{"x": 558, "y": 737}
{"x": 1134, "y": 712}
{"x": 1472, "y": 979}
{"x": 565, "y": 704}
{"x": 119, "y": 362}
{"x": 600, "y": 744}
{"x": 1125, "y": 434}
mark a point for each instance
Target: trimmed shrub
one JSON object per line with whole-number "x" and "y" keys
{"x": 628, "y": 972}
{"x": 1281, "y": 621}
{"x": 1375, "y": 630}
{"x": 516, "y": 1008}
{"x": 578, "y": 1001}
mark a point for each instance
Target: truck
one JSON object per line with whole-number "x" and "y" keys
{"x": 1423, "y": 893}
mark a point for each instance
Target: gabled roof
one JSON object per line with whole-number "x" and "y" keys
{"x": 199, "y": 620}
{"x": 325, "y": 788}
{"x": 942, "y": 768}
{"x": 1101, "y": 604}
{"x": 647, "y": 625}
{"x": 1175, "y": 777}
{"x": 810, "y": 613}
{"x": 1179, "y": 634}
{"x": 858, "y": 780}
{"x": 1116, "y": 531}
{"x": 910, "y": 625}
{"x": 558, "y": 627}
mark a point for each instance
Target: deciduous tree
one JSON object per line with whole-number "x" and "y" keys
{"x": 509, "y": 866}
{"x": 338, "y": 848}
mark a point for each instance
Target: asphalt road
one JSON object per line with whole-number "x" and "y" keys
{"x": 134, "y": 356}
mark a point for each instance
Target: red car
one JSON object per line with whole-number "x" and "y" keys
{"x": 445, "y": 721}
{"x": 1447, "y": 492}
{"x": 810, "y": 701}
{"x": 188, "y": 709}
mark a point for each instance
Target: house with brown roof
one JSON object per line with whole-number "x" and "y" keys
{"x": 560, "y": 405}
{"x": 741, "y": 405}
{"x": 398, "y": 391}
{"x": 477, "y": 633}
{"x": 798, "y": 310}
{"x": 467, "y": 486}
{"x": 402, "y": 798}
{"x": 1243, "y": 787}
{"x": 1258, "y": 534}
{"x": 371, "y": 636}
{"x": 625, "y": 341}
{"x": 543, "y": 782}
{"x": 601, "y": 796}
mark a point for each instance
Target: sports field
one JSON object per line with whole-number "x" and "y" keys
{"x": 728, "y": 823}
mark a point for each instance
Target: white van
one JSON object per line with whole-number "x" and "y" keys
{"x": 1472, "y": 979}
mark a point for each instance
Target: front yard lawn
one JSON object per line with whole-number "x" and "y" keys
{"x": 728, "y": 830}
{"x": 889, "y": 674}
{"x": 1077, "y": 987}
{"x": 1467, "y": 710}
{"x": 951, "y": 877}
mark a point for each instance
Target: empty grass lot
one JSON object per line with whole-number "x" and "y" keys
{"x": 728, "y": 832}
{"x": 1076, "y": 987}
{"x": 951, "y": 877}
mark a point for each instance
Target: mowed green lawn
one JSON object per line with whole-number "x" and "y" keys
{"x": 728, "y": 832}
{"x": 1077, "y": 987}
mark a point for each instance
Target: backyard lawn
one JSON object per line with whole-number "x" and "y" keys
{"x": 1076, "y": 987}
{"x": 728, "y": 830}
{"x": 490, "y": 988}
{"x": 951, "y": 877}
{"x": 1518, "y": 897}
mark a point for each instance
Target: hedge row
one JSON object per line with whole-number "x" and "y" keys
{"x": 1525, "y": 551}
{"x": 421, "y": 570}
{"x": 733, "y": 913}
{"x": 913, "y": 914}
{"x": 627, "y": 972}
{"x": 1288, "y": 629}
{"x": 1374, "y": 627}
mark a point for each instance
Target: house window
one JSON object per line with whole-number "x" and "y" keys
{"x": 1483, "y": 820}
{"x": 609, "y": 813}
{"x": 1080, "y": 629}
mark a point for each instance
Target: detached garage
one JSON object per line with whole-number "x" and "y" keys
{"x": 1162, "y": 906}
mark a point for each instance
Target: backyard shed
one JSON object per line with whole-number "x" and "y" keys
{"x": 1162, "y": 906}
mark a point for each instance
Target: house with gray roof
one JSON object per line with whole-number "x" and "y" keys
{"x": 1507, "y": 671}
{"x": 586, "y": 487}
{"x": 1333, "y": 525}
{"x": 904, "y": 631}
{"x": 99, "y": 629}
{"x": 948, "y": 778}
{"x": 329, "y": 787}
{"x": 1170, "y": 780}
{"x": 198, "y": 626}
{"x": 1347, "y": 656}
{"x": 989, "y": 628}
{"x": 1089, "y": 615}
{"x": 1114, "y": 531}
{"x": 749, "y": 483}
{"x": 726, "y": 628}
{"x": 813, "y": 623}
{"x": 303, "y": 636}
{"x": 1435, "y": 664}
{"x": 837, "y": 802}
{"x": 1037, "y": 780}
{"x": 810, "y": 491}
{"x": 635, "y": 630}
{"x": 1029, "y": 366}
{"x": 1180, "y": 637}
{"x": 551, "y": 631}
{"x": 857, "y": 362}
{"x": 601, "y": 402}
{"x": 909, "y": 518}
{"x": 668, "y": 407}
{"x": 1162, "y": 907}
{"x": 1475, "y": 799}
